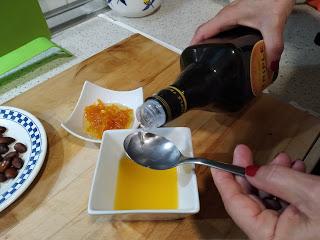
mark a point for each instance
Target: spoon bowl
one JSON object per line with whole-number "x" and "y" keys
{"x": 156, "y": 152}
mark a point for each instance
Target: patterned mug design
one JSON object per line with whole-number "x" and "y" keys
{"x": 148, "y": 3}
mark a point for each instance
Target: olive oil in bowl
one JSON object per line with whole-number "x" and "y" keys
{"x": 140, "y": 188}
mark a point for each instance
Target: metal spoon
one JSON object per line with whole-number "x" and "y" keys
{"x": 156, "y": 152}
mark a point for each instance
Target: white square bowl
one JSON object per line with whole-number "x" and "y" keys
{"x": 90, "y": 94}
{"x": 102, "y": 194}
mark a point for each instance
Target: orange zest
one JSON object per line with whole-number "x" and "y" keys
{"x": 99, "y": 117}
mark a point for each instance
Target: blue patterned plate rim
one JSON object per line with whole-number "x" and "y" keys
{"x": 32, "y": 165}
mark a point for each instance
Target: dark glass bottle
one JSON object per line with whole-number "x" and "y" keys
{"x": 225, "y": 72}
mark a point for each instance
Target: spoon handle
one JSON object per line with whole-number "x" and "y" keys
{"x": 240, "y": 171}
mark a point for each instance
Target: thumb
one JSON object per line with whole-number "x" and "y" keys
{"x": 273, "y": 39}
{"x": 297, "y": 188}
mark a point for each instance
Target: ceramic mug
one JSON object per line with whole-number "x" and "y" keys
{"x": 134, "y": 8}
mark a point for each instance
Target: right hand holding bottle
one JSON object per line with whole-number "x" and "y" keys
{"x": 300, "y": 216}
{"x": 267, "y": 16}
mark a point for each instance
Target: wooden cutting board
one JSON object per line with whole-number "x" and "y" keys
{"x": 55, "y": 206}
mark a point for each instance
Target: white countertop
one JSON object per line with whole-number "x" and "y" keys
{"x": 174, "y": 24}
{"x": 83, "y": 41}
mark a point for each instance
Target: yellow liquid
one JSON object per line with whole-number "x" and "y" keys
{"x": 142, "y": 188}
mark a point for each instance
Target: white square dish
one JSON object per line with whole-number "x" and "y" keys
{"x": 102, "y": 194}
{"x": 90, "y": 94}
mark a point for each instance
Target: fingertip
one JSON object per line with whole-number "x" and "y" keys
{"x": 218, "y": 174}
{"x": 242, "y": 156}
{"x": 273, "y": 39}
{"x": 195, "y": 39}
{"x": 213, "y": 171}
{"x": 283, "y": 182}
{"x": 251, "y": 170}
{"x": 192, "y": 42}
{"x": 274, "y": 66}
{"x": 200, "y": 34}
{"x": 241, "y": 149}
{"x": 282, "y": 159}
{"x": 241, "y": 145}
{"x": 298, "y": 165}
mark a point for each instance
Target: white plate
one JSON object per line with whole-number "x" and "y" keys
{"x": 90, "y": 94}
{"x": 27, "y": 129}
{"x": 103, "y": 188}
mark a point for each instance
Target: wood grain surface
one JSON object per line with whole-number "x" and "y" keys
{"x": 55, "y": 206}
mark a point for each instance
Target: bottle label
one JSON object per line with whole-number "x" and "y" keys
{"x": 260, "y": 76}
{"x": 180, "y": 95}
{"x": 173, "y": 101}
{"x": 167, "y": 108}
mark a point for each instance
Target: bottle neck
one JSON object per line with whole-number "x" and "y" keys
{"x": 173, "y": 102}
{"x": 151, "y": 114}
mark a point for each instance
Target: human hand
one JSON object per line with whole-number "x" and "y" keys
{"x": 267, "y": 16}
{"x": 282, "y": 178}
